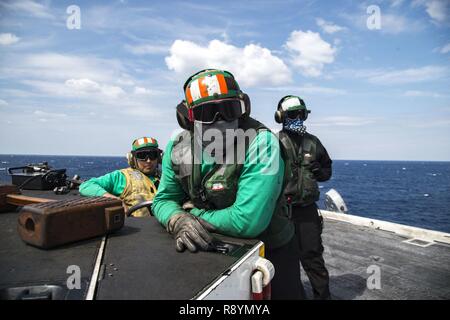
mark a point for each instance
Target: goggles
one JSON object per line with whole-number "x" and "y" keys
{"x": 144, "y": 155}
{"x": 208, "y": 113}
{"x": 294, "y": 114}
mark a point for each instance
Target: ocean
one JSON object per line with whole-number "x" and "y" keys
{"x": 415, "y": 193}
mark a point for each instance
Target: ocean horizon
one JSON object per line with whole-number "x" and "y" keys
{"x": 410, "y": 192}
{"x": 118, "y": 156}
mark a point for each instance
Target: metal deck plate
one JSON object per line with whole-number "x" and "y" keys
{"x": 406, "y": 271}
{"x": 141, "y": 262}
{"x": 22, "y": 265}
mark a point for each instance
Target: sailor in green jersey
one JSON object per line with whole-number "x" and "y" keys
{"x": 231, "y": 186}
{"x": 132, "y": 185}
{"x": 308, "y": 161}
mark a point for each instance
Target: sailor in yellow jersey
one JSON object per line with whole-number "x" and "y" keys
{"x": 132, "y": 185}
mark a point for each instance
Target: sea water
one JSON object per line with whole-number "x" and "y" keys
{"x": 415, "y": 193}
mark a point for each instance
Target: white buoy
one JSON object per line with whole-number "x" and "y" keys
{"x": 426, "y": 195}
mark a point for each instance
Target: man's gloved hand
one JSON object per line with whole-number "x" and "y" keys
{"x": 315, "y": 168}
{"x": 190, "y": 232}
{"x": 188, "y": 205}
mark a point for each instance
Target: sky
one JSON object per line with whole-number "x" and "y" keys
{"x": 89, "y": 79}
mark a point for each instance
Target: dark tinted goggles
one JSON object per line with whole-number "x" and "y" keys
{"x": 144, "y": 155}
{"x": 294, "y": 114}
{"x": 228, "y": 110}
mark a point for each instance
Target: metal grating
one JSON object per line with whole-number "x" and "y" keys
{"x": 76, "y": 202}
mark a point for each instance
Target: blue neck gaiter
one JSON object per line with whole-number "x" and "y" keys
{"x": 294, "y": 125}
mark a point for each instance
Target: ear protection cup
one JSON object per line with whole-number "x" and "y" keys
{"x": 247, "y": 105}
{"x": 161, "y": 154}
{"x": 183, "y": 118}
{"x": 279, "y": 116}
{"x": 130, "y": 160}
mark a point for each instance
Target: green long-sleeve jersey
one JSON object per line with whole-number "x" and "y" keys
{"x": 259, "y": 187}
{"x": 113, "y": 183}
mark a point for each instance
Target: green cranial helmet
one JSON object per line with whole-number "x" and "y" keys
{"x": 291, "y": 103}
{"x": 210, "y": 85}
{"x": 144, "y": 142}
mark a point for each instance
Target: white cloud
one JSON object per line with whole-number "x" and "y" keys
{"x": 345, "y": 121}
{"x": 49, "y": 114}
{"x": 251, "y": 65}
{"x": 55, "y": 66}
{"x": 396, "y": 3}
{"x": 390, "y": 23}
{"x": 50, "y": 88}
{"x": 85, "y": 85}
{"x": 89, "y": 81}
{"x": 77, "y": 88}
{"x": 411, "y": 75}
{"x": 328, "y": 27}
{"x": 7, "y": 39}
{"x": 418, "y": 93}
{"x": 145, "y": 49}
{"x": 29, "y": 7}
{"x": 125, "y": 80}
{"x": 3, "y": 103}
{"x": 90, "y": 94}
{"x": 35, "y": 43}
{"x": 309, "y": 52}
{"x": 135, "y": 18}
{"x": 140, "y": 90}
{"x": 438, "y": 10}
{"x": 445, "y": 49}
{"x": 89, "y": 86}
{"x": 310, "y": 89}
{"x": 431, "y": 124}
{"x": 391, "y": 76}
{"x": 148, "y": 92}
{"x": 321, "y": 90}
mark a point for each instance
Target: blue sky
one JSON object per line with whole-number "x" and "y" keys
{"x": 375, "y": 94}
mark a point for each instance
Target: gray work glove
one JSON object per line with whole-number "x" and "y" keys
{"x": 190, "y": 232}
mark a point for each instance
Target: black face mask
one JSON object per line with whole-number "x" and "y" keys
{"x": 221, "y": 126}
